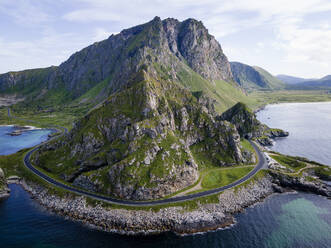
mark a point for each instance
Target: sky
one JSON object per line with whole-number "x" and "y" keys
{"x": 290, "y": 37}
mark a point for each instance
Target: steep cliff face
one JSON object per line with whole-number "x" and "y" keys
{"x": 171, "y": 43}
{"x": 142, "y": 142}
{"x": 190, "y": 40}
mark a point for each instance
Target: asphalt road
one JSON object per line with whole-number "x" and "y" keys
{"x": 262, "y": 164}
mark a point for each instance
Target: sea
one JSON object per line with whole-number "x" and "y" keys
{"x": 11, "y": 144}
{"x": 282, "y": 221}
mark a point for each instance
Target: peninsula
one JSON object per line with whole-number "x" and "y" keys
{"x": 156, "y": 133}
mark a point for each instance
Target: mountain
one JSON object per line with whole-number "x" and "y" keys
{"x": 313, "y": 84}
{"x": 145, "y": 142}
{"x": 291, "y": 80}
{"x": 183, "y": 52}
{"x": 253, "y": 77}
{"x": 158, "y": 124}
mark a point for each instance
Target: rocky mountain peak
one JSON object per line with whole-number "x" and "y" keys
{"x": 142, "y": 141}
{"x": 191, "y": 41}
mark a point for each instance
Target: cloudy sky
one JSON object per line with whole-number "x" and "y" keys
{"x": 283, "y": 36}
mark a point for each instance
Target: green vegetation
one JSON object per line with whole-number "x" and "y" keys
{"x": 190, "y": 205}
{"x": 273, "y": 82}
{"x": 221, "y": 177}
{"x": 283, "y": 96}
{"x": 258, "y": 176}
{"x": 293, "y": 163}
{"x": 226, "y": 94}
{"x": 63, "y": 117}
{"x": 246, "y": 145}
{"x": 254, "y": 78}
{"x": 12, "y": 164}
{"x": 323, "y": 172}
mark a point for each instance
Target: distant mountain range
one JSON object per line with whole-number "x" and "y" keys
{"x": 291, "y": 80}
{"x": 306, "y": 84}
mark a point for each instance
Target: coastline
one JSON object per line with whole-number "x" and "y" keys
{"x": 207, "y": 217}
{"x": 18, "y": 130}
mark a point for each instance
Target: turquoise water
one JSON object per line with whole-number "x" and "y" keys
{"x": 309, "y": 125}
{"x": 11, "y": 144}
{"x": 282, "y": 221}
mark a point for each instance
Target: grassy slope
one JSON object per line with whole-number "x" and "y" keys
{"x": 226, "y": 94}
{"x": 289, "y": 162}
{"x": 221, "y": 177}
{"x": 273, "y": 82}
{"x": 64, "y": 117}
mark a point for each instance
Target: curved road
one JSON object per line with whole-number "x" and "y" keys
{"x": 262, "y": 164}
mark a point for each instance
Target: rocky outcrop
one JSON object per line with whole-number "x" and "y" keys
{"x": 244, "y": 120}
{"x": 4, "y": 190}
{"x": 269, "y": 134}
{"x": 200, "y": 49}
{"x": 139, "y": 144}
{"x": 276, "y": 133}
{"x": 249, "y": 127}
{"x": 302, "y": 183}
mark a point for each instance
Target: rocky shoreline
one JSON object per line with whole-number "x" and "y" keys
{"x": 207, "y": 217}
{"x": 175, "y": 219}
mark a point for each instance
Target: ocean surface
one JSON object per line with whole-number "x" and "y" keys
{"x": 281, "y": 221}
{"x": 309, "y": 125}
{"x": 11, "y": 144}
{"x": 288, "y": 220}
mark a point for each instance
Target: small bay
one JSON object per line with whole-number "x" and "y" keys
{"x": 11, "y": 144}
{"x": 309, "y": 125}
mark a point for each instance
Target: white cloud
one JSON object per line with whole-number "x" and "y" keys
{"x": 87, "y": 15}
{"x": 51, "y": 49}
{"x": 24, "y": 12}
{"x": 292, "y": 36}
{"x": 312, "y": 45}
